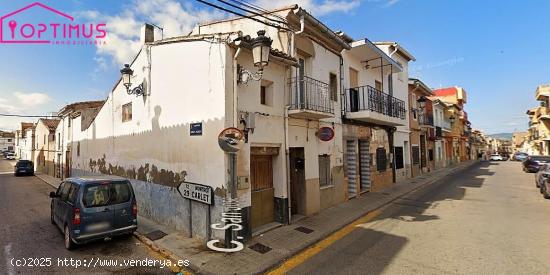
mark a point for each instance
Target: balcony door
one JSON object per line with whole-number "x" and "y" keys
{"x": 354, "y": 90}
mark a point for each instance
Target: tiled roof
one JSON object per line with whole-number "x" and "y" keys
{"x": 445, "y": 91}
{"x": 50, "y": 123}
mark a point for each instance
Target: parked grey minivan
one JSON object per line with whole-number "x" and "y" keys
{"x": 93, "y": 208}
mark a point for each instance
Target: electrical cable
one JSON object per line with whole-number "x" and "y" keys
{"x": 252, "y": 12}
{"x": 12, "y": 115}
{"x": 242, "y": 15}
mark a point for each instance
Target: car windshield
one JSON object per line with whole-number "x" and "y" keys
{"x": 106, "y": 193}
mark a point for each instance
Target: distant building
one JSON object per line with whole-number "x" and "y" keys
{"x": 7, "y": 141}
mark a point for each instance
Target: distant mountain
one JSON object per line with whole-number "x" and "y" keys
{"x": 502, "y": 136}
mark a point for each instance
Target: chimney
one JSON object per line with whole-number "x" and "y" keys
{"x": 147, "y": 33}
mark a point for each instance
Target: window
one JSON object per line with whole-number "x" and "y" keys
{"x": 78, "y": 149}
{"x": 69, "y": 122}
{"x": 378, "y": 85}
{"x": 58, "y": 140}
{"x": 266, "y": 92}
{"x": 127, "y": 112}
{"x": 72, "y": 193}
{"x": 381, "y": 159}
{"x": 415, "y": 154}
{"x": 64, "y": 195}
{"x": 263, "y": 95}
{"x": 399, "y": 157}
{"x": 44, "y": 139}
{"x": 324, "y": 170}
{"x": 106, "y": 194}
{"x": 431, "y": 154}
{"x": 96, "y": 195}
{"x": 333, "y": 85}
{"x": 9, "y": 139}
{"x": 120, "y": 192}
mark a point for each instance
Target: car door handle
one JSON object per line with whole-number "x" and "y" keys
{"x": 106, "y": 210}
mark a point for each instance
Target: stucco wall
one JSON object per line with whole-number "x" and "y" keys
{"x": 155, "y": 148}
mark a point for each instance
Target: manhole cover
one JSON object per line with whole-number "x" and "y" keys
{"x": 155, "y": 235}
{"x": 260, "y": 248}
{"x": 304, "y": 229}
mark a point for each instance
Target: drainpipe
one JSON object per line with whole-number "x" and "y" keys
{"x": 302, "y": 25}
{"x": 287, "y": 164}
{"x": 394, "y": 51}
{"x": 235, "y": 82}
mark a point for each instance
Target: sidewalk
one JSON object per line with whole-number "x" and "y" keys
{"x": 284, "y": 242}
{"x": 281, "y": 243}
{"x": 54, "y": 182}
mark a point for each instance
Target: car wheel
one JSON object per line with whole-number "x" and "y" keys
{"x": 69, "y": 244}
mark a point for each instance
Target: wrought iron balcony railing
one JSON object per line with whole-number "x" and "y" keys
{"x": 367, "y": 98}
{"x": 310, "y": 94}
{"x": 426, "y": 119}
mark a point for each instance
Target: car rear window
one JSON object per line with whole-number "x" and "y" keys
{"x": 104, "y": 194}
{"x": 24, "y": 164}
{"x": 541, "y": 158}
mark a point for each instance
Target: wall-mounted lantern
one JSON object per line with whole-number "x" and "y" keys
{"x": 452, "y": 119}
{"x": 422, "y": 102}
{"x": 127, "y": 74}
{"x": 261, "y": 47}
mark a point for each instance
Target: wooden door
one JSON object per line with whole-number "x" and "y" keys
{"x": 263, "y": 201}
{"x": 297, "y": 181}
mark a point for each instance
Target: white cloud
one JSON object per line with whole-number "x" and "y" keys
{"x": 123, "y": 30}
{"x": 32, "y": 99}
{"x": 317, "y": 8}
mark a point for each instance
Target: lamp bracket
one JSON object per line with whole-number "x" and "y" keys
{"x": 138, "y": 91}
{"x": 244, "y": 75}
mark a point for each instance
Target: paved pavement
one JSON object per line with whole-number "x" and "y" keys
{"x": 26, "y": 233}
{"x": 489, "y": 219}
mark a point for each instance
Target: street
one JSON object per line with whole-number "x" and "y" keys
{"x": 26, "y": 235}
{"x": 489, "y": 219}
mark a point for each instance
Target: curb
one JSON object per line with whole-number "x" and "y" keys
{"x": 54, "y": 187}
{"x": 165, "y": 253}
{"x": 313, "y": 242}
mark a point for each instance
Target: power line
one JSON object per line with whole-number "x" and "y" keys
{"x": 249, "y": 11}
{"x": 242, "y": 15}
{"x": 12, "y": 115}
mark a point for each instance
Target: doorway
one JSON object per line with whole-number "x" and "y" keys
{"x": 297, "y": 181}
{"x": 262, "y": 194}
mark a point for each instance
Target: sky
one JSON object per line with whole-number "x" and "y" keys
{"x": 498, "y": 51}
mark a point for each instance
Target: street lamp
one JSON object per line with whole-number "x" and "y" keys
{"x": 452, "y": 119}
{"x": 421, "y": 102}
{"x": 127, "y": 74}
{"x": 261, "y": 47}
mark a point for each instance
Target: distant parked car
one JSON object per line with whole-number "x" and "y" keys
{"x": 10, "y": 156}
{"x": 532, "y": 163}
{"x": 496, "y": 157}
{"x": 520, "y": 156}
{"x": 93, "y": 208}
{"x": 24, "y": 167}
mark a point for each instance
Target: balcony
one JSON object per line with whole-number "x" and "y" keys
{"x": 446, "y": 125}
{"x": 544, "y": 113}
{"x": 368, "y": 104}
{"x": 426, "y": 119}
{"x": 310, "y": 98}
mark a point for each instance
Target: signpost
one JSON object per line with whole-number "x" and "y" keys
{"x": 195, "y": 129}
{"x": 325, "y": 133}
{"x": 196, "y": 192}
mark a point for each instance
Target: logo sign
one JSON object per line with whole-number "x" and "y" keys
{"x": 325, "y": 133}
{"x": 196, "y": 192}
{"x": 231, "y": 140}
{"x": 195, "y": 129}
{"x": 60, "y": 30}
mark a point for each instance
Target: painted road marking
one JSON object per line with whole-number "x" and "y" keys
{"x": 323, "y": 244}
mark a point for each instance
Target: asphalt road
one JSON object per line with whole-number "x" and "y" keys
{"x": 489, "y": 219}
{"x": 27, "y": 234}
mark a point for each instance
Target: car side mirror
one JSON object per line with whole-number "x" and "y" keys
{"x": 53, "y": 195}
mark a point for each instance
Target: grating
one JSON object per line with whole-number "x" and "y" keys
{"x": 304, "y": 229}
{"x": 155, "y": 235}
{"x": 260, "y": 248}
